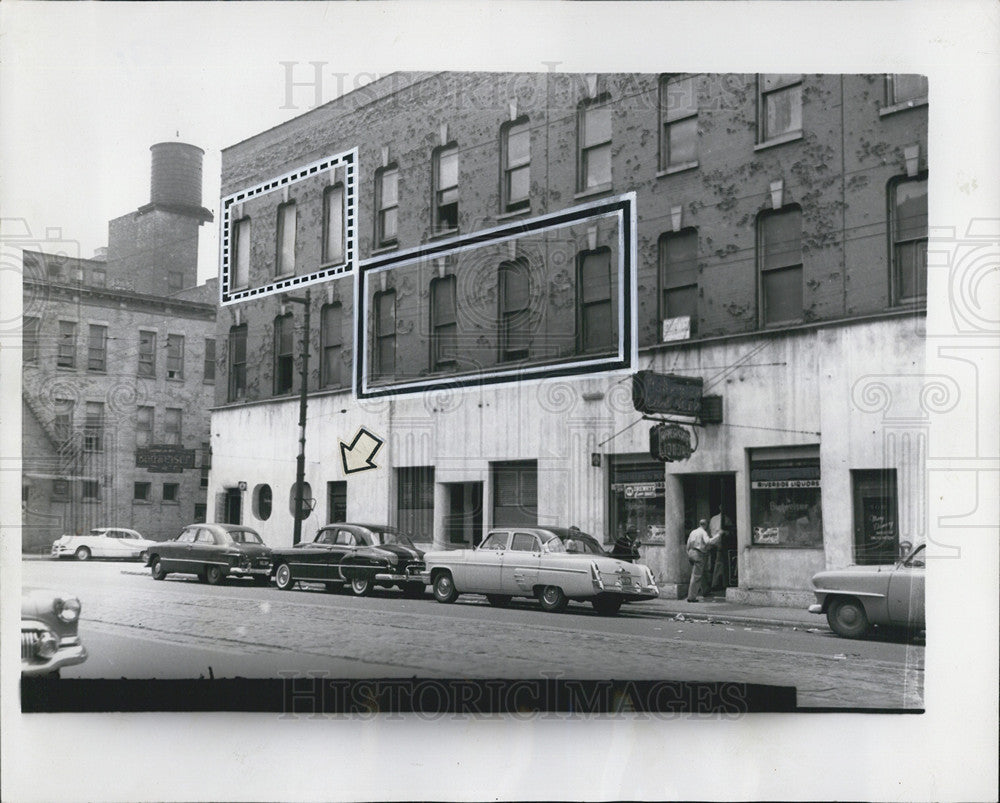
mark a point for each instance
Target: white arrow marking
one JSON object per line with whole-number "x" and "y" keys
{"x": 359, "y": 455}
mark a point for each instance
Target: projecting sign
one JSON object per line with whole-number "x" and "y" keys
{"x": 666, "y": 393}
{"x": 164, "y": 458}
{"x": 669, "y": 442}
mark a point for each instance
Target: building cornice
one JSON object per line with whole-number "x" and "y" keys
{"x": 110, "y": 297}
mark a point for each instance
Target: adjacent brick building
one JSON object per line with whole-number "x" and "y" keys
{"x": 780, "y": 257}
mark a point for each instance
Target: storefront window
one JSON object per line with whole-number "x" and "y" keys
{"x": 637, "y": 501}
{"x": 785, "y": 503}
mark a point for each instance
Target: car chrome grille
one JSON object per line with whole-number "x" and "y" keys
{"x": 29, "y": 645}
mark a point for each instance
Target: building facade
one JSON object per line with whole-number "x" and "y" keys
{"x": 778, "y": 255}
{"x": 119, "y": 365}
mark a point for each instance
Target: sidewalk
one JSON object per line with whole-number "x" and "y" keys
{"x": 717, "y": 609}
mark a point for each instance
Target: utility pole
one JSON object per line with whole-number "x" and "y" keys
{"x": 300, "y": 467}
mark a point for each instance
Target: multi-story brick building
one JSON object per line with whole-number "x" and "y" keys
{"x": 779, "y": 256}
{"x": 119, "y": 363}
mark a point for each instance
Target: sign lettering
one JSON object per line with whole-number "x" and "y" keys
{"x": 666, "y": 393}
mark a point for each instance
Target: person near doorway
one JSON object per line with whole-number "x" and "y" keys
{"x": 715, "y": 576}
{"x": 698, "y": 544}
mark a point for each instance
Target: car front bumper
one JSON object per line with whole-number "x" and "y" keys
{"x": 70, "y": 652}
{"x": 256, "y": 571}
{"x": 60, "y": 551}
{"x": 816, "y": 607}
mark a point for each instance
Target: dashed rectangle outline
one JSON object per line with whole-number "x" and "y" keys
{"x": 350, "y": 161}
{"x": 621, "y": 206}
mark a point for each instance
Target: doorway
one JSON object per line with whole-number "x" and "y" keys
{"x": 463, "y": 522}
{"x": 234, "y": 506}
{"x": 705, "y": 497}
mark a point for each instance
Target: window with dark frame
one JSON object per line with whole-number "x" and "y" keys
{"x": 415, "y": 502}
{"x": 98, "y": 277}
{"x": 876, "y": 517}
{"x": 97, "y": 348}
{"x": 444, "y": 324}
{"x": 143, "y": 426}
{"x": 175, "y": 356}
{"x": 237, "y": 359}
{"x": 594, "y": 144}
{"x": 333, "y": 224}
{"x": 147, "y": 354}
{"x": 515, "y": 151}
{"x": 678, "y": 122}
{"x": 385, "y": 333}
{"x": 140, "y": 491}
{"x": 514, "y": 296}
{"x": 336, "y": 501}
{"x": 779, "y": 105}
{"x": 908, "y": 232}
{"x": 332, "y": 328}
{"x": 200, "y": 512}
{"x": 678, "y": 257}
{"x": 30, "y": 339}
{"x": 209, "y": 369}
{"x": 206, "y": 463}
{"x": 93, "y": 431}
{"x": 240, "y": 264}
{"x": 905, "y": 88}
{"x": 66, "y": 350}
{"x": 285, "y": 257}
{"x": 170, "y": 491}
{"x": 172, "y": 426}
{"x": 386, "y": 205}
{"x": 63, "y": 422}
{"x": 785, "y": 502}
{"x": 91, "y": 490}
{"x": 175, "y": 281}
{"x": 445, "y": 205}
{"x": 780, "y": 258}
{"x": 594, "y": 302}
{"x": 284, "y": 359}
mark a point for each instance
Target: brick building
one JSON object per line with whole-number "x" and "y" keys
{"x": 779, "y": 253}
{"x": 119, "y": 363}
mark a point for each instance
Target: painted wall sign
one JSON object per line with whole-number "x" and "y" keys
{"x": 164, "y": 458}
{"x": 666, "y": 393}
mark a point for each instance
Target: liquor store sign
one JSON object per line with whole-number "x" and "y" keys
{"x": 666, "y": 393}
{"x": 164, "y": 458}
{"x": 669, "y": 443}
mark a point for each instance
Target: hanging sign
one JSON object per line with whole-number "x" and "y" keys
{"x": 666, "y": 393}
{"x": 670, "y": 442}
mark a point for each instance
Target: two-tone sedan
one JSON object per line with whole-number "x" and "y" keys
{"x": 213, "y": 552}
{"x": 359, "y": 555}
{"x": 534, "y": 562}
{"x": 49, "y": 637}
{"x": 103, "y": 542}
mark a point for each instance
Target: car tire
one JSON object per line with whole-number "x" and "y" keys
{"x": 157, "y": 568}
{"x": 283, "y": 577}
{"x": 361, "y": 585}
{"x": 847, "y": 618}
{"x": 606, "y": 606}
{"x": 444, "y": 588}
{"x": 498, "y": 600}
{"x": 552, "y": 599}
{"x": 83, "y": 553}
{"x": 213, "y": 575}
{"x": 413, "y": 590}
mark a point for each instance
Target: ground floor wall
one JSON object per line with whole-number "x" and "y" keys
{"x": 818, "y": 462}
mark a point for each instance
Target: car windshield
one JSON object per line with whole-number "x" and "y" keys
{"x": 916, "y": 557}
{"x": 392, "y": 537}
{"x": 245, "y": 537}
{"x": 97, "y": 532}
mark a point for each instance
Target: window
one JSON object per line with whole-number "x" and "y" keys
{"x": 209, "y": 359}
{"x": 54, "y": 265}
{"x": 284, "y": 361}
{"x": 908, "y": 225}
{"x": 679, "y": 123}
{"x": 679, "y": 276}
{"x": 596, "y": 328}
{"x": 522, "y": 542}
{"x": 175, "y": 281}
{"x": 515, "y": 494}
{"x": 262, "y": 501}
{"x": 237, "y": 362}
{"x": 385, "y": 333}
{"x": 386, "y": 205}
{"x": 516, "y": 154}
{"x": 333, "y": 224}
{"x": 336, "y": 502}
{"x": 780, "y": 255}
{"x": 60, "y": 489}
{"x": 93, "y": 433}
{"x": 785, "y": 507}
{"x": 143, "y": 426}
{"x": 876, "y": 517}
{"x": 415, "y": 502}
{"x": 98, "y": 277}
{"x": 170, "y": 491}
{"x": 285, "y": 259}
{"x": 140, "y": 492}
{"x": 444, "y": 323}
{"x": 200, "y": 512}
{"x": 206, "y": 463}
{"x": 241, "y": 253}
{"x": 332, "y": 326}
{"x": 66, "y": 354}
{"x": 175, "y": 356}
{"x": 905, "y": 89}
{"x": 172, "y": 426}
{"x": 515, "y": 298}
{"x": 29, "y": 339}
{"x": 91, "y": 490}
{"x": 97, "y": 348}
{"x": 779, "y": 105}
{"x": 594, "y": 137}
{"x": 147, "y": 354}
{"x": 62, "y": 424}
{"x": 446, "y": 188}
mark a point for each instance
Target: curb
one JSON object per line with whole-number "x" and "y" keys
{"x": 744, "y": 620}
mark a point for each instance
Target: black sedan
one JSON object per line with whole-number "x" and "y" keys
{"x": 213, "y": 552}
{"x": 359, "y": 555}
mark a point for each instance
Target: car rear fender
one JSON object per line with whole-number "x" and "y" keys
{"x": 874, "y": 604}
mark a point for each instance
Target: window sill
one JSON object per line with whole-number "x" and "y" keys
{"x": 280, "y": 276}
{"x": 171, "y": 504}
{"x": 97, "y": 371}
{"x": 674, "y": 169}
{"x": 385, "y": 249}
{"x": 603, "y": 189}
{"x": 208, "y": 382}
{"x": 140, "y": 502}
{"x": 65, "y": 367}
{"x": 885, "y": 111}
{"x": 514, "y": 214}
{"x": 784, "y": 139}
{"x": 443, "y": 234}
{"x": 335, "y": 263}
{"x": 175, "y": 379}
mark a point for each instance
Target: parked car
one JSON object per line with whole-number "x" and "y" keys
{"x": 575, "y": 540}
{"x": 534, "y": 562}
{"x": 103, "y": 542}
{"x": 360, "y": 555}
{"x": 858, "y": 597}
{"x": 213, "y": 552}
{"x": 49, "y": 637}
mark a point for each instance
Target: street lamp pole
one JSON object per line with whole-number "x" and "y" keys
{"x": 300, "y": 466}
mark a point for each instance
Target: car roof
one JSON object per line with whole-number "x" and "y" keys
{"x": 225, "y": 527}
{"x": 350, "y": 524}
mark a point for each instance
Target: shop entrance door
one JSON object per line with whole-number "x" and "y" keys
{"x": 713, "y": 497}
{"x": 464, "y": 520}
{"x": 234, "y": 506}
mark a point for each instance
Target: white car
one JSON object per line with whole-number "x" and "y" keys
{"x": 103, "y": 542}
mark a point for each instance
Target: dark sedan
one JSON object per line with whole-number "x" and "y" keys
{"x": 359, "y": 555}
{"x": 213, "y": 552}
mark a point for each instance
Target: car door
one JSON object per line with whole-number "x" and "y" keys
{"x": 519, "y": 573}
{"x": 176, "y": 554}
{"x": 483, "y": 567}
{"x": 115, "y": 545}
{"x": 204, "y": 550}
{"x": 905, "y": 599}
{"x": 344, "y": 545}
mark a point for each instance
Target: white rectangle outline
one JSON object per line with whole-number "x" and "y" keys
{"x": 282, "y": 181}
{"x": 515, "y": 374}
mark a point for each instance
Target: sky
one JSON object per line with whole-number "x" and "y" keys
{"x": 86, "y": 88}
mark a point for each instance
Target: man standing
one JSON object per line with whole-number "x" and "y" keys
{"x": 698, "y": 544}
